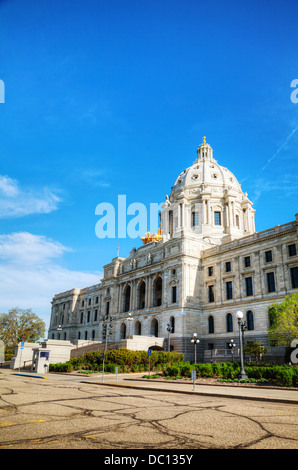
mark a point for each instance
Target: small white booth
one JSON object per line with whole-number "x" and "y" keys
{"x": 40, "y": 360}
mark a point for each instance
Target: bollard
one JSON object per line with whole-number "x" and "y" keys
{"x": 193, "y": 376}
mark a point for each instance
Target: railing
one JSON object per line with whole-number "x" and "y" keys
{"x": 220, "y": 354}
{"x": 247, "y": 239}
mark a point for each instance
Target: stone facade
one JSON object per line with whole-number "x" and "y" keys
{"x": 208, "y": 264}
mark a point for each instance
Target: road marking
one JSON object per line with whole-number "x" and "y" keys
{"x": 27, "y": 422}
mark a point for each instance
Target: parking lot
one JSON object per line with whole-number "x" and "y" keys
{"x": 69, "y": 412}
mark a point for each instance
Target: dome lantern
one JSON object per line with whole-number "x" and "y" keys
{"x": 205, "y": 151}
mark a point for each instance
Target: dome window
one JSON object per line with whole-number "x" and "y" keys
{"x": 217, "y": 218}
{"x": 195, "y": 219}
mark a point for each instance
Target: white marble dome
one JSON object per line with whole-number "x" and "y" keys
{"x": 207, "y": 202}
{"x": 204, "y": 172}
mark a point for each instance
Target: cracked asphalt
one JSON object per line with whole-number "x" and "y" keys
{"x": 64, "y": 413}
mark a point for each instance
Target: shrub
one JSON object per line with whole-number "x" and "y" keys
{"x": 204, "y": 370}
{"x": 217, "y": 368}
{"x": 185, "y": 370}
{"x": 172, "y": 371}
{"x": 285, "y": 377}
{"x": 61, "y": 367}
{"x": 110, "y": 368}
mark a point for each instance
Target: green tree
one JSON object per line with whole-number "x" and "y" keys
{"x": 20, "y": 325}
{"x": 283, "y": 318}
{"x": 255, "y": 349}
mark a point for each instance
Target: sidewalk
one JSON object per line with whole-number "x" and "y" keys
{"x": 240, "y": 392}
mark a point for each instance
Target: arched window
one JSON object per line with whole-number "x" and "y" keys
{"x": 141, "y": 295}
{"x": 171, "y": 223}
{"x": 154, "y": 327}
{"x": 137, "y": 328}
{"x": 126, "y": 299}
{"x": 122, "y": 331}
{"x": 250, "y": 320}
{"x": 79, "y": 335}
{"x": 64, "y": 335}
{"x": 86, "y": 335}
{"x": 172, "y": 324}
{"x": 157, "y": 292}
{"x": 210, "y": 324}
{"x": 237, "y": 221}
{"x": 229, "y": 322}
{"x": 93, "y": 335}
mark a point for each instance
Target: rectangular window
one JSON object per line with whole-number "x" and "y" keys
{"x": 82, "y": 303}
{"x": 229, "y": 290}
{"x": 217, "y": 218}
{"x": 292, "y": 250}
{"x": 174, "y": 294}
{"x": 82, "y": 317}
{"x": 210, "y": 271}
{"x": 95, "y": 315}
{"x": 248, "y": 285}
{"x": 294, "y": 277}
{"x": 96, "y": 300}
{"x": 195, "y": 219}
{"x": 270, "y": 282}
{"x": 247, "y": 261}
{"x": 88, "y": 316}
{"x": 89, "y": 302}
{"x": 210, "y": 293}
{"x": 268, "y": 256}
{"x": 228, "y": 266}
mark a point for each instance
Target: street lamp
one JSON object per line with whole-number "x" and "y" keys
{"x": 195, "y": 340}
{"x": 232, "y": 345}
{"x": 59, "y": 329}
{"x": 169, "y": 330}
{"x": 107, "y": 328}
{"x": 241, "y": 324}
{"x": 129, "y": 319}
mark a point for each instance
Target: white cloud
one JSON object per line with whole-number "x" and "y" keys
{"x": 30, "y": 275}
{"x": 285, "y": 186}
{"x": 280, "y": 148}
{"x": 17, "y": 202}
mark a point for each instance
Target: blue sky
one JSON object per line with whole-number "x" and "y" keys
{"x": 113, "y": 97}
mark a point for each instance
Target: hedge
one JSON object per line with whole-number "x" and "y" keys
{"x": 286, "y": 376}
{"x": 172, "y": 364}
{"x": 136, "y": 361}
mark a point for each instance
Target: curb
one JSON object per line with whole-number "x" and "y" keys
{"x": 194, "y": 392}
{"x": 31, "y": 375}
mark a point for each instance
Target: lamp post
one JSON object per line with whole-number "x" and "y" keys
{"x": 59, "y": 329}
{"x": 129, "y": 319}
{"x": 232, "y": 345}
{"x": 169, "y": 330}
{"x": 241, "y": 324}
{"x": 107, "y": 328}
{"x": 195, "y": 340}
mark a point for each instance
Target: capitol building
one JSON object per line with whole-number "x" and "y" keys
{"x": 205, "y": 263}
